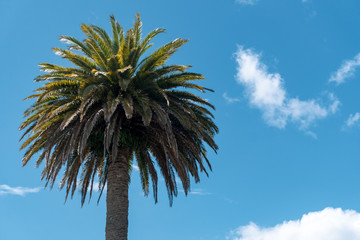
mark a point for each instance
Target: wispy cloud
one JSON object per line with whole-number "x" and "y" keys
{"x": 20, "y": 191}
{"x": 330, "y": 223}
{"x": 96, "y": 186}
{"x": 135, "y": 167}
{"x": 353, "y": 118}
{"x": 246, "y": 2}
{"x": 266, "y": 92}
{"x": 230, "y": 99}
{"x": 346, "y": 70}
{"x": 197, "y": 191}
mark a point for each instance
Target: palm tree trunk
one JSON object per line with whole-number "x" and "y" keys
{"x": 117, "y": 200}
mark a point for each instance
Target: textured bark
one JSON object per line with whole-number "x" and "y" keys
{"x": 117, "y": 201}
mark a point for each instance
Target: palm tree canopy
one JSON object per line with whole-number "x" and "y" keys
{"x": 112, "y": 98}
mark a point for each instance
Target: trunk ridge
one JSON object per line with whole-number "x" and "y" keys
{"x": 117, "y": 201}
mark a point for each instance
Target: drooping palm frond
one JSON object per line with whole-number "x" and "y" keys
{"x": 114, "y": 97}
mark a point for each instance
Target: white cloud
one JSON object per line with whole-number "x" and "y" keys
{"x": 266, "y": 91}
{"x": 230, "y": 99}
{"x": 246, "y": 2}
{"x": 334, "y": 106}
{"x": 197, "y": 191}
{"x": 66, "y": 41}
{"x": 311, "y": 134}
{"x": 96, "y": 187}
{"x": 328, "y": 224}
{"x": 20, "y": 191}
{"x": 346, "y": 70}
{"x": 135, "y": 167}
{"x": 353, "y": 118}
{"x": 59, "y": 53}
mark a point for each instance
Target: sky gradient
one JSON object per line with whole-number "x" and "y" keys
{"x": 286, "y": 79}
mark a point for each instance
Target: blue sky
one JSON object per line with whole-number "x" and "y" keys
{"x": 286, "y": 76}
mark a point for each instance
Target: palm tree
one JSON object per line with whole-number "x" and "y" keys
{"x": 113, "y": 107}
